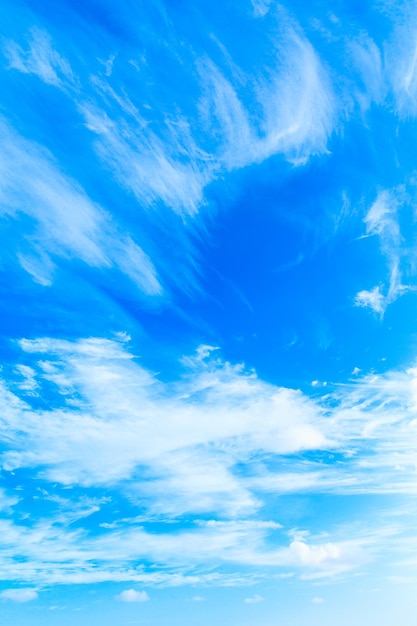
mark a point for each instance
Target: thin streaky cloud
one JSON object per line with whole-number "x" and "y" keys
{"x": 68, "y": 225}
{"x": 40, "y": 58}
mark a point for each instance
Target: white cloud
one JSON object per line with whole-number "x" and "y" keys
{"x": 148, "y": 165}
{"x": 198, "y": 599}
{"x": 214, "y": 417}
{"x": 368, "y": 59}
{"x": 19, "y": 595}
{"x": 261, "y": 7}
{"x": 317, "y": 600}
{"x": 315, "y": 555}
{"x": 130, "y": 595}
{"x": 382, "y": 221}
{"x": 53, "y": 553}
{"x": 243, "y": 524}
{"x": 254, "y": 599}
{"x": 39, "y": 59}
{"x": 374, "y": 300}
{"x": 28, "y": 382}
{"x": 7, "y": 501}
{"x": 401, "y": 60}
{"x": 190, "y": 455}
{"x": 172, "y": 162}
{"x": 295, "y": 99}
{"x": 67, "y": 223}
{"x": 166, "y": 156}
{"x": 202, "y": 444}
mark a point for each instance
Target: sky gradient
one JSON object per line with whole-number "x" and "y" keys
{"x": 208, "y": 333}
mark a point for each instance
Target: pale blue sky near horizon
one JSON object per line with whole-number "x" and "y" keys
{"x": 208, "y": 334}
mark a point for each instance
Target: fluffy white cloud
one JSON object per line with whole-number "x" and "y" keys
{"x": 131, "y": 595}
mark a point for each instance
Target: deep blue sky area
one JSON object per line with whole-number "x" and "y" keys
{"x": 208, "y": 336}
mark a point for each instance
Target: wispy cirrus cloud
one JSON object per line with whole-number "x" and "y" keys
{"x": 401, "y": 59}
{"x": 383, "y": 221}
{"x": 367, "y": 60}
{"x": 39, "y": 58}
{"x": 148, "y": 165}
{"x": 174, "y": 161}
{"x": 294, "y": 98}
{"x": 59, "y": 221}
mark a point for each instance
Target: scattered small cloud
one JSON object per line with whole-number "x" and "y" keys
{"x": 131, "y": 595}
{"x": 373, "y": 299}
{"x": 254, "y": 599}
{"x": 317, "y": 600}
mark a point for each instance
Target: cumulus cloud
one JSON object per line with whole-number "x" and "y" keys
{"x": 131, "y": 595}
{"x": 19, "y": 595}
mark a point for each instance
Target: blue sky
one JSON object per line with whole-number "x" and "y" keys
{"x": 208, "y": 276}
